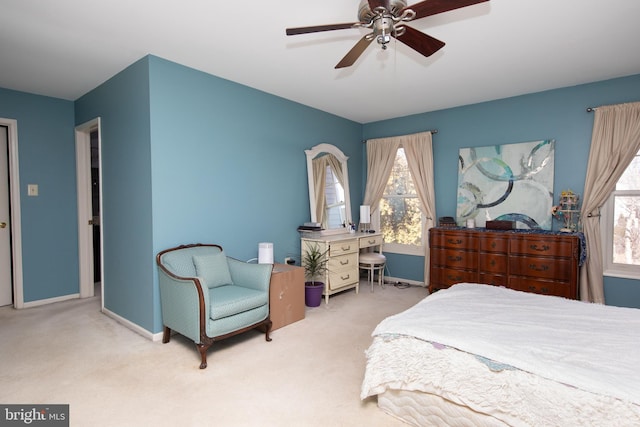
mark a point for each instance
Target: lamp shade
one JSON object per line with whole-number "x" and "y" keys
{"x": 365, "y": 214}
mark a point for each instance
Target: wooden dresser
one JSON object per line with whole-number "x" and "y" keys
{"x": 544, "y": 263}
{"x": 343, "y": 270}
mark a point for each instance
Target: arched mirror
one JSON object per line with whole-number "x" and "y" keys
{"x": 328, "y": 175}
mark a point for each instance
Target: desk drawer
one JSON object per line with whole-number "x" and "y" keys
{"x": 343, "y": 247}
{"x": 343, "y": 262}
{"x": 339, "y": 279}
{"x": 369, "y": 241}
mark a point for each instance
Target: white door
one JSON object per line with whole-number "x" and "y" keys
{"x": 86, "y": 219}
{"x": 5, "y": 227}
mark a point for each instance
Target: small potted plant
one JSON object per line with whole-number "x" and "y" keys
{"x": 314, "y": 262}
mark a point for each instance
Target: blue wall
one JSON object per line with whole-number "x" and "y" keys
{"x": 46, "y": 156}
{"x": 228, "y": 163}
{"x": 122, "y": 103}
{"x": 557, "y": 114}
{"x": 190, "y": 157}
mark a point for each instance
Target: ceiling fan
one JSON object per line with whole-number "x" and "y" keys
{"x": 386, "y": 19}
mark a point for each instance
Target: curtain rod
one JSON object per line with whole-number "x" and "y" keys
{"x": 433, "y": 131}
{"x": 591, "y": 109}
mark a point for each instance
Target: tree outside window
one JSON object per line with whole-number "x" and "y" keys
{"x": 621, "y": 225}
{"x": 401, "y": 220}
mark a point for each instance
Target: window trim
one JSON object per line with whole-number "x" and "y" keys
{"x": 609, "y": 268}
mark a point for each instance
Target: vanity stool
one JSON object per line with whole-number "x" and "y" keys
{"x": 372, "y": 262}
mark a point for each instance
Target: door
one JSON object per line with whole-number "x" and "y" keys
{"x": 6, "y": 291}
{"x": 89, "y": 230}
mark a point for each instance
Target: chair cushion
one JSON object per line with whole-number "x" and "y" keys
{"x": 372, "y": 258}
{"x": 213, "y": 269}
{"x": 232, "y": 299}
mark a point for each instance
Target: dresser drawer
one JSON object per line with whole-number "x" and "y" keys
{"x": 493, "y": 279}
{"x": 445, "y": 277}
{"x": 454, "y": 259}
{"x": 493, "y": 263}
{"x": 541, "y": 246}
{"x": 544, "y": 268}
{"x": 490, "y": 243}
{"x": 542, "y": 287}
{"x": 454, "y": 240}
{"x": 369, "y": 241}
{"x": 343, "y": 247}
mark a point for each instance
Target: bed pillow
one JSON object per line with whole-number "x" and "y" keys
{"x": 213, "y": 269}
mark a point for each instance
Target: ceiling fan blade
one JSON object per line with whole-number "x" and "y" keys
{"x": 433, "y": 7}
{"x": 379, "y": 3}
{"x": 420, "y": 42}
{"x": 318, "y": 28}
{"x": 354, "y": 53}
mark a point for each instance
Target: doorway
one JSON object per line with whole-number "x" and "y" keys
{"x": 90, "y": 232}
{"x": 11, "y": 235}
{"x": 6, "y": 280}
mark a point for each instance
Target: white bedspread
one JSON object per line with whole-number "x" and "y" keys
{"x": 592, "y": 347}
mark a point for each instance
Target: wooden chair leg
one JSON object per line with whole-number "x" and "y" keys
{"x": 268, "y": 330}
{"x": 202, "y": 348}
{"x": 166, "y": 336}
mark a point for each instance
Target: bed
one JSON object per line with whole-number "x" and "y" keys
{"x": 480, "y": 355}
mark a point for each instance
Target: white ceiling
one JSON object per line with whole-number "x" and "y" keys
{"x": 498, "y": 49}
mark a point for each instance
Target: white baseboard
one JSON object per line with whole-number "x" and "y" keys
{"x": 133, "y": 326}
{"x": 50, "y": 300}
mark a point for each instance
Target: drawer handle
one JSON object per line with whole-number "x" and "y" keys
{"x": 493, "y": 245}
{"x": 536, "y": 268}
{"x": 454, "y": 241}
{"x": 454, "y": 278}
{"x": 344, "y": 262}
{"x": 371, "y": 242}
{"x": 347, "y": 248}
{"x": 493, "y": 263}
{"x": 345, "y": 277}
{"x": 454, "y": 258}
{"x": 535, "y": 247}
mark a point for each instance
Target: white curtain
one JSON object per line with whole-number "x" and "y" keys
{"x": 614, "y": 143}
{"x": 419, "y": 151}
{"x": 381, "y": 155}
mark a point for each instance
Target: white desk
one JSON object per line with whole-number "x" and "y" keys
{"x": 343, "y": 250}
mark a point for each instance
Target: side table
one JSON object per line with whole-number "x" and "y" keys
{"x": 286, "y": 295}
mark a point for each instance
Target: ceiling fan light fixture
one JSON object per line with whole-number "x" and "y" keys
{"x": 383, "y": 27}
{"x": 386, "y": 19}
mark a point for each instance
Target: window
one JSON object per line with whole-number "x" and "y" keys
{"x": 401, "y": 220}
{"x": 334, "y": 194}
{"x": 621, "y": 225}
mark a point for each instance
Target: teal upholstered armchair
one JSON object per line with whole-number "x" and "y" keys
{"x": 207, "y": 296}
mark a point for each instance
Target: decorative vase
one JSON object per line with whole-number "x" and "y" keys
{"x": 313, "y": 294}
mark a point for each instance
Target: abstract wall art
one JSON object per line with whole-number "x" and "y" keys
{"x": 510, "y": 182}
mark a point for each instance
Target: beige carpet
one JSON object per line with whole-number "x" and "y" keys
{"x": 310, "y": 374}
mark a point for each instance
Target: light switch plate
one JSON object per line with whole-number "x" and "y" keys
{"x": 32, "y": 189}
